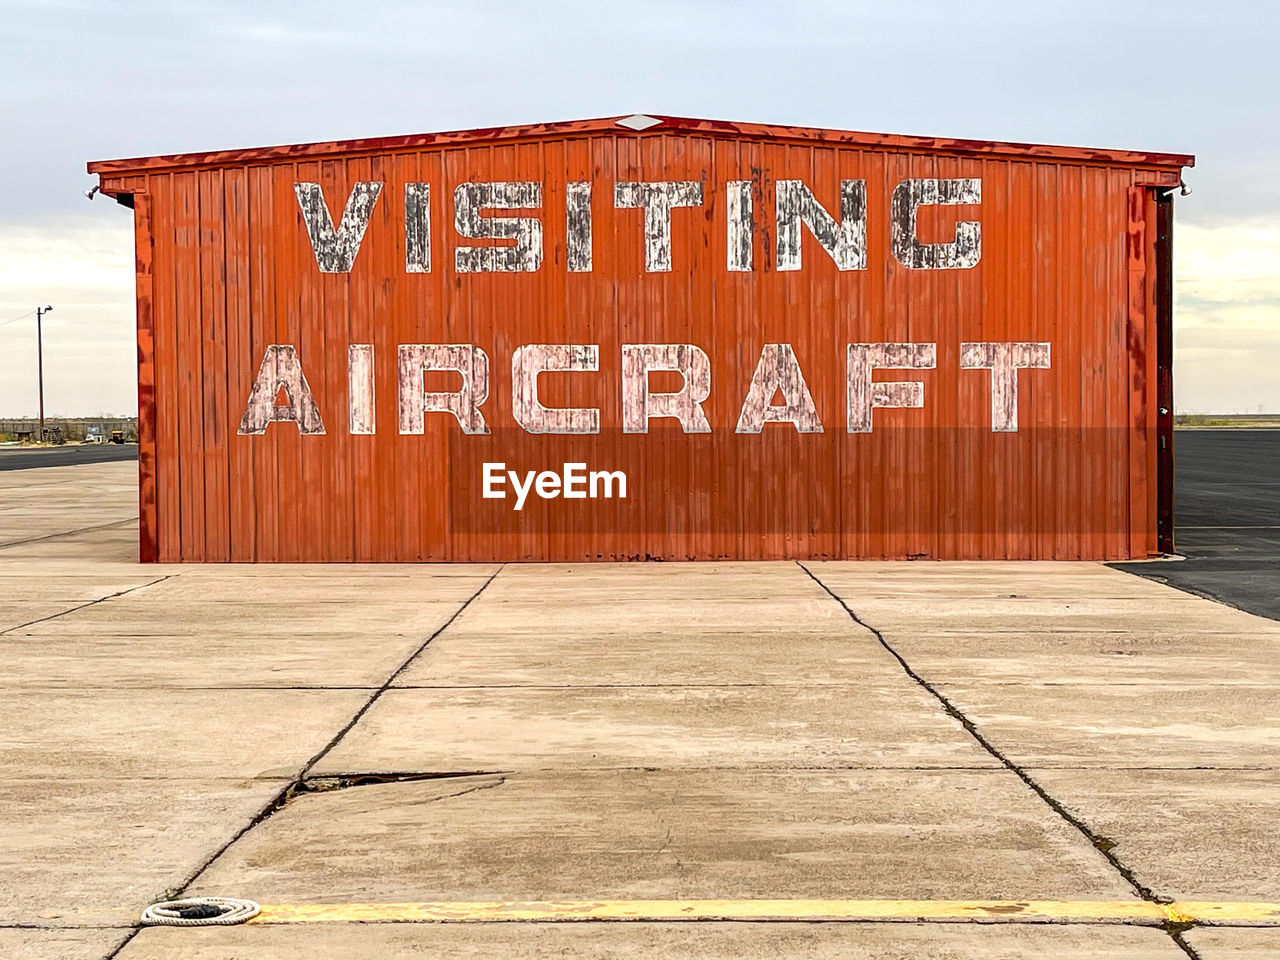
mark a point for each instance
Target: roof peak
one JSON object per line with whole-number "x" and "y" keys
{"x": 642, "y": 124}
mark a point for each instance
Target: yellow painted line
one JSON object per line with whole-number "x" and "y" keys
{"x": 481, "y": 911}
{"x": 1211, "y": 911}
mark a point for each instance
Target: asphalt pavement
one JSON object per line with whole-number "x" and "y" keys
{"x": 1226, "y": 519}
{"x": 66, "y": 455}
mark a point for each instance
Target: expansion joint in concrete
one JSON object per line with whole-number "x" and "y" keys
{"x": 298, "y": 784}
{"x": 91, "y": 603}
{"x": 395, "y": 675}
{"x": 68, "y": 533}
{"x": 1104, "y": 845}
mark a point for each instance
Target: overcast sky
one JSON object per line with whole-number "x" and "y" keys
{"x": 94, "y": 79}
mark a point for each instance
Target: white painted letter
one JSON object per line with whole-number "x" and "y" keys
{"x": 360, "y": 413}
{"x": 1004, "y": 360}
{"x": 862, "y": 395}
{"x": 778, "y": 370}
{"x": 470, "y": 361}
{"x": 739, "y": 226}
{"x": 908, "y": 197}
{"x": 417, "y": 227}
{"x": 280, "y": 370}
{"x": 531, "y": 359}
{"x": 335, "y": 250}
{"x": 639, "y": 406}
{"x": 657, "y": 198}
{"x": 845, "y": 242}
{"x": 577, "y": 224}
{"x": 525, "y": 255}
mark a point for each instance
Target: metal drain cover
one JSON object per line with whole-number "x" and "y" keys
{"x": 199, "y": 912}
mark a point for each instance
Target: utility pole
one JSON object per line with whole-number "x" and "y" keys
{"x": 40, "y": 312}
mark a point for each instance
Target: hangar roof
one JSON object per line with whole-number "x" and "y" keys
{"x": 642, "y": 125}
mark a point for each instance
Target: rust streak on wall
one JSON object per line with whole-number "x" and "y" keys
{"x": 148, "y": 534}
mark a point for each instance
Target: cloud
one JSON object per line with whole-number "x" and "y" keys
{"x": 85, "y": 270}
{"x": 1227, "y": 317}
{"x": 1231, "y": 264}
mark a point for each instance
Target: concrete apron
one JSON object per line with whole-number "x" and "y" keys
{"x": 618, "y": 733}
{"x": 633, "y": 941}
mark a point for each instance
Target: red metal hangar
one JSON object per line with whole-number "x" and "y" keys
{"x": 761, "y": 341}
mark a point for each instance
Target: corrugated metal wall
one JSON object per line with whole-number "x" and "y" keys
{"x": 226, "y": 269}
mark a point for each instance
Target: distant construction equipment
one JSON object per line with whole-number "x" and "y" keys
{"x": 71, "y": 430}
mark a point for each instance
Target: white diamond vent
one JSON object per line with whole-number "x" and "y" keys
{"x": 638, "y": 121}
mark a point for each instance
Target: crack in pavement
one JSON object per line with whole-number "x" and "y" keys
{"x": 491, "y": 785}
{"x": 390, "y": 681}
{"x": 302, "y": 783}
{"x": 67, "y": 533}
{"x": 290, "y": 789}
{"x": 91, "y": 603}
{"x": 348, "y": 781}
{"x": 1103, "y": 845}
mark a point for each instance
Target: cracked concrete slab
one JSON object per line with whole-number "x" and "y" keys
{"x": 211, "y": 660}
{"x": 981, "y": 580}
{"x": 25, "y": 944}
{"x": 1120, "y": 725}
{"x": 54, "y": 588}
{"x": 327, "y": 587}
{"x": 95, "y": 852}
{"x": 1234, "y": 943}
{"x": 633, "y": 941}
{"x": 19, "y": 537}
{"x": 661, "y": 584}
{"x": 1189, "y": 834}
{"x": 167, "y": 733}
{"x": 138, "y": 614}
{"x": 339, "y": 574}
{"x": 19, "y": 529}
{"x": 624, "y": 572}
{"x": 664, "y": 834}
{"x": 15, "y": 565}
{"x": 47, "y": 501}
{"x": 599, "y": 615}
{"x": 15, "y": 613}
{"x": 200, "y": 630}
{"x": 986, "y": 598}
{"x": 885, "y": 721}
{"x": 737, "y": 670}
{"x": 467, "y": 656}
{"x": 117, "y": 544}
{"x": 1171, "y": 658}
{"x": 1032, "y": 613}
